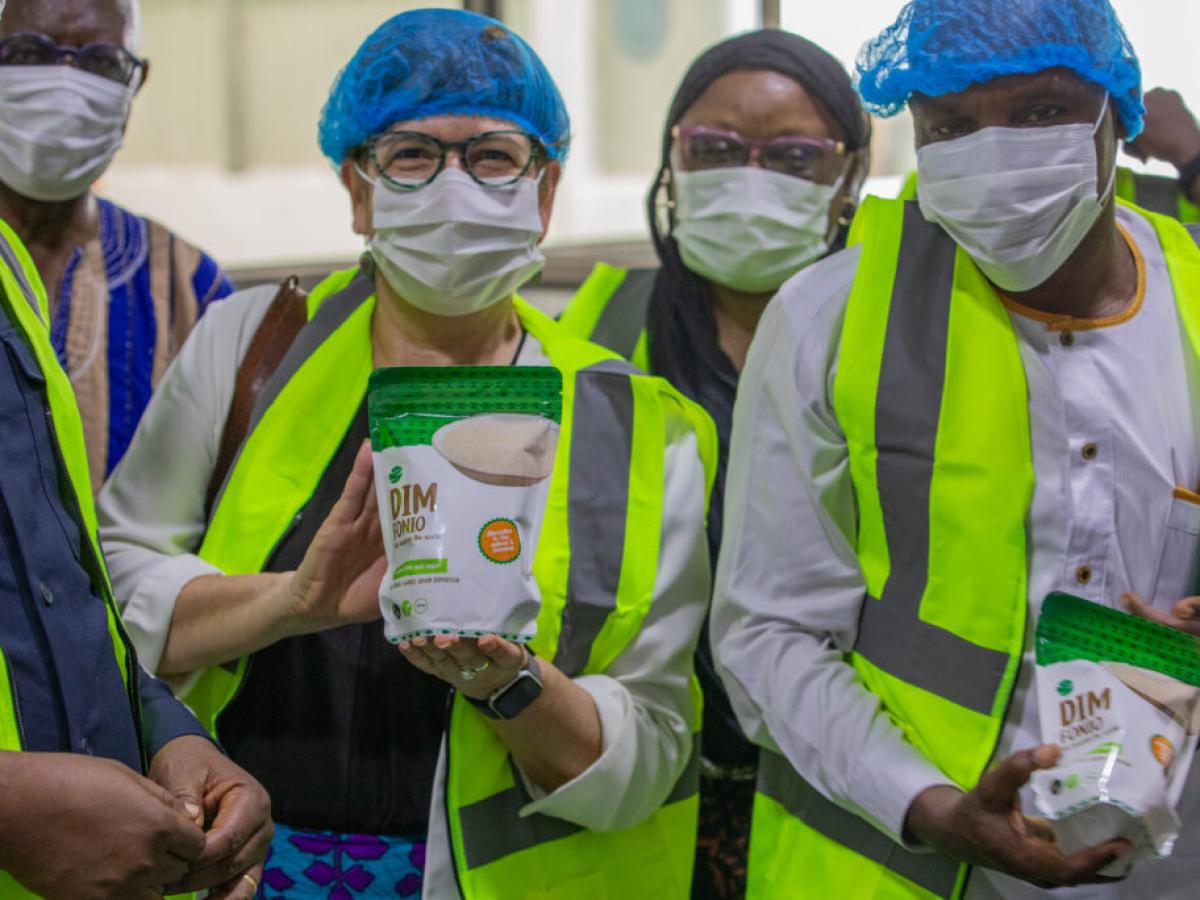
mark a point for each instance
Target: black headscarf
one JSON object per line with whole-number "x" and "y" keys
{"x": 683, "y": 331}
{"x": 681, "y": 323}
{"x": 682, "y": 326}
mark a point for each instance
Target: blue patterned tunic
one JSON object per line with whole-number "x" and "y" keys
{"x": 126, "y": 303}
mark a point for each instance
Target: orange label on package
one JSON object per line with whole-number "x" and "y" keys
{"x": 500, "y": 541}
{"x": 1163, "y": 750}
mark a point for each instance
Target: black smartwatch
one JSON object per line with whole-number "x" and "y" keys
{"x": 510, "y": 701}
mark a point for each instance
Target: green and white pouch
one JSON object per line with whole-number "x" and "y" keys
{"x": 463, "y": 457}
{"x": 1121, "y": 697}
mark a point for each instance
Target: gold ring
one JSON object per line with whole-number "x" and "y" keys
{"x": 253, "y": 882}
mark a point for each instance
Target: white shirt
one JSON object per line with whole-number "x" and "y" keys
{"x": 789, "y": 589}
{"x": 152, "y": 520}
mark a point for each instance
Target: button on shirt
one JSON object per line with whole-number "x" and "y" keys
{"x": 1116, "y": 453}
{"x": 66, "y": 683}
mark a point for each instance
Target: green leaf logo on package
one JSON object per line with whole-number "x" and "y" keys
{"x": 1121, "y": 696}
{"x": 464, "y": 460}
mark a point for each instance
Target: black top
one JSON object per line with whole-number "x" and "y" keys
{"x": 341, "y": 730}
{"x": 67, "y": 688}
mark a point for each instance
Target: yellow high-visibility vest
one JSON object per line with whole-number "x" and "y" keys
{"x": 596, "y": 564}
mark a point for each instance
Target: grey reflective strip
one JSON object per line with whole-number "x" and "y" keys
{"x": 597, "y": 505}
{"x": 620, "y": 326}
{"x": 891, "y": 634}
{"x": 778, "y": 781}
{"x": 493, "y": 828}
{"x": 10, "y": 259}
{"x": 1194, "y": 231}
{"x": 1157, "y": 194}
{"x": 329, "y": 318}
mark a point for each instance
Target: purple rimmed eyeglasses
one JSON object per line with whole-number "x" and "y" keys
{"x": 815, "y": 159}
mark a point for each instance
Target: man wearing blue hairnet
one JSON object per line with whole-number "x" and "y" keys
{"x": 988, "y": 398}
{"x": 461, "y": 765}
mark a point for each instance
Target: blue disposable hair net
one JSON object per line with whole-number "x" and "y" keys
{"x": 939, "y": 47}
{"x": 438, "y": 62}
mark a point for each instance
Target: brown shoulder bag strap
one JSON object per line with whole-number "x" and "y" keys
{"x": 287, "y": 314}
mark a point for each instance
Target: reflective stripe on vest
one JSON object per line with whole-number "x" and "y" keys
{"x": 598, "y": 508}
{"x": 917, "y": 434}
{"x": 485, "y": 843}
{"x": 611, "y": 309}
{"x": 891, "y": 633}
{"x": 596, "y": 563}
{"x": 778, "y": 781}
{"x": 928, "y": 452}
{"x": 624, "y": 318}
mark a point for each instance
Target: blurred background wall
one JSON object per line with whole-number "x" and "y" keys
{"x": 222, "y": 145}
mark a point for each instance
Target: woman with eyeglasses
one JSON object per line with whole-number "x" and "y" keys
{"x": 764, "y": 153}
{"x": 249, "y": 568}
{"x": 123, "y": 290}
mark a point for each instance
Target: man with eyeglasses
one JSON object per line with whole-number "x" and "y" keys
{"x": 124, "y": 290}
{"x": 454, "y": 767}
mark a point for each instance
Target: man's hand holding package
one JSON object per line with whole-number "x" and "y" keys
{"x": 986, "y": 827}
{"x": 1184, "y": 617}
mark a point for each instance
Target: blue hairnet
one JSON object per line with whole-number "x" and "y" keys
{"x": 438, "y": 62}
{"x": 941, "y": 47}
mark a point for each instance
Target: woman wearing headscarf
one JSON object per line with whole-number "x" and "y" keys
{"x": 459, "y": 768}
{"x": 764, "y": 152}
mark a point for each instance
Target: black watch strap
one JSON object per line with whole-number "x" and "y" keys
{"x": 1188, "y": 173}
{"x": 510, "y": 701}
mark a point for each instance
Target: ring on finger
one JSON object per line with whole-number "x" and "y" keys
{"x": 472, "y": 674}
{"x": 253, "y": 882}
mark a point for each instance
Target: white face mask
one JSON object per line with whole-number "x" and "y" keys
{"x": 1019, "y": 201}
{"x": 749, "y": 228}
{"x": 59, "y": 129}
{"x": 455, "y": 247}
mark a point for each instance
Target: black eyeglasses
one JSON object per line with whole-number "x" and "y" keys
{"x": 29, "y": 48}
{"x": 412, "y": 159}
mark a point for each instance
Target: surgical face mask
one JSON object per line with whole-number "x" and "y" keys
{"x": 59, "y": 129}
{"x": 454, "y": 246}
{"x": 749, "y": 228}
{"x": 1019, "y": 201}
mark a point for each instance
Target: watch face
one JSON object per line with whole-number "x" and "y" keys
{"x": 518, "y": 695}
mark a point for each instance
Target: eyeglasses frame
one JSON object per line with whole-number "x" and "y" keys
{"x": 141, "y": 65}
{"x": 754, "y": 149}
{"x": 537, "y": 155}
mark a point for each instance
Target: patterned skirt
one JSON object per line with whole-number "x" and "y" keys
{"x": 330, "y": 866}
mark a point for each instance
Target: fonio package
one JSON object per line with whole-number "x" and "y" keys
{"x": 463, "y": 458}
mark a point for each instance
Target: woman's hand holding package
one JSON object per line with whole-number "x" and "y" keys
{"x": 218, "y": 618}
{"x": 338, "y": 580}
{"x": 492, "y": 661}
